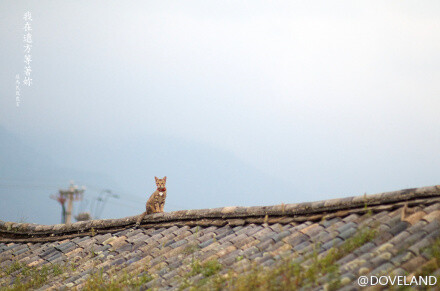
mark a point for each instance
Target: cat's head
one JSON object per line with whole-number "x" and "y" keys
{"x": 160, "y": 183}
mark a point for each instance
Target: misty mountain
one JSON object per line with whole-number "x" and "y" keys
{"x": 21, "y": 160}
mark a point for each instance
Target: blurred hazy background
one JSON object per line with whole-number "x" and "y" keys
{"x": 237, "y": 102}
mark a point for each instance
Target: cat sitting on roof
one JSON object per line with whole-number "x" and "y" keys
{"x": 156, "y": 202}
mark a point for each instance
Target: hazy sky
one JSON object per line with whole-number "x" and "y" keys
{"x": 336, "y": 97}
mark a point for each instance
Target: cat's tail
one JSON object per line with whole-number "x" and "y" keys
{"x": 139, "y": 220}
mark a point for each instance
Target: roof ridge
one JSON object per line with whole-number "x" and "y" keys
{"x": 233, "y": 215}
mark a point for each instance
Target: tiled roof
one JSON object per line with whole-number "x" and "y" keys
{"x": 307, "y": 245}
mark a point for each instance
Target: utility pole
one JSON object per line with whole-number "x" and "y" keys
{"x": 73, "y": 193}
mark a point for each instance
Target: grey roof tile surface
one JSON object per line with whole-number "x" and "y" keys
{"x": 177, "y": 251}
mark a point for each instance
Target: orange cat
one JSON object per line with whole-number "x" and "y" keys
{"x": 156, "y": 202}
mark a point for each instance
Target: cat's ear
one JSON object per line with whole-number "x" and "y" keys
{"x": 165, "y": 178}
{"x": 155, "y": 178}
